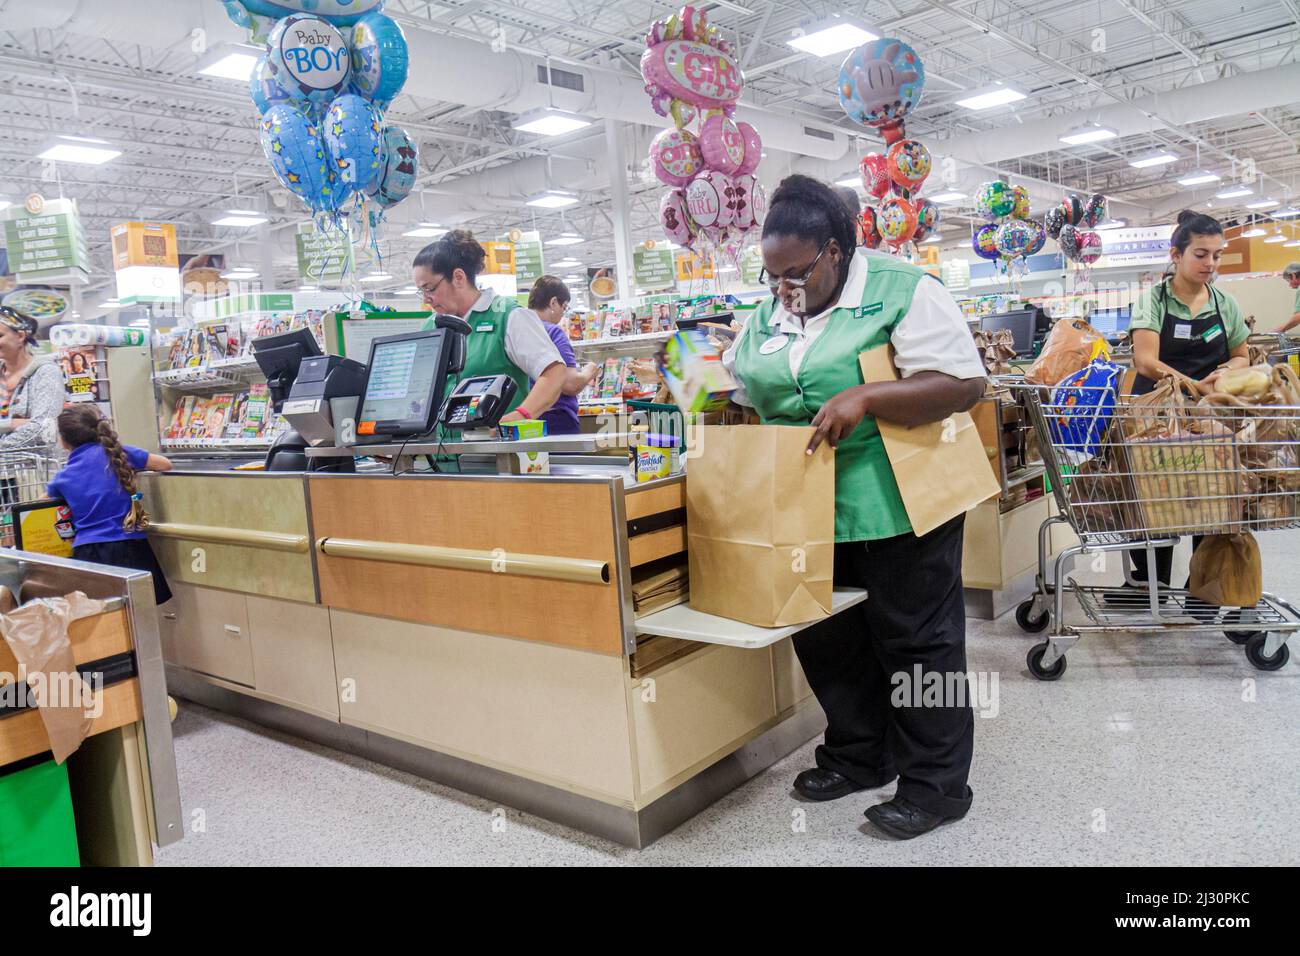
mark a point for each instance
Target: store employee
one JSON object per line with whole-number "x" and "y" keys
{"x": 1292, "y": 276}
{"x": 504, "y": 338}
{"x": 1185, "y": 325}
{"x": 797, "y": 360}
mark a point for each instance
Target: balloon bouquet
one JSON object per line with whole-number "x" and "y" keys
{"x": 1010, "y": 237}
{"x": 328, "y": 73}
{"x": 880, "y": 83}
{"x": 1081, "y": 246}
{"x": 691, "y": 73}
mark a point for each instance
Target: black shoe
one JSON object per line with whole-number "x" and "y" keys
{"x": 822, "y": 784}
{"x": 1134, "y": 597}
{"x": 901, "y": 818}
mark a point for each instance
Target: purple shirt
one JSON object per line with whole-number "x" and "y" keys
{"x": 562, "y": 418}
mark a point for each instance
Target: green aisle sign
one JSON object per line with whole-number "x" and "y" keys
{"x": 652, "y": 268}
{"x": 751, "y": 264}
{"x": 323, "y": 257}
{"x": 528, "y": 261}
{"x": 45, "y": 246}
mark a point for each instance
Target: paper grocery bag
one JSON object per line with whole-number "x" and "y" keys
{"x": 941, "y": 469}
{"x": 760, "y": 524}
{"x": 1226, "y": 571}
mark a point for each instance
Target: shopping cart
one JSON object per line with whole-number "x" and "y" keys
{"x": 24, "y": 476}
{"x": 1135, "y": 474}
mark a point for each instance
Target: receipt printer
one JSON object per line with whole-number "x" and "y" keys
{"x": 320, "y": 380}
{"x": 478, "y": 402}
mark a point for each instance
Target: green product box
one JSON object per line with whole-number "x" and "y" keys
{"x": 527, "y": 428}
{"x": 693, "y": 371}
{"x": 36, "y": 823}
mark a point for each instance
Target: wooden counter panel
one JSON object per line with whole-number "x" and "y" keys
{"x": 93, "y": 638}
{"x": 254, "y": 503}
{"x": 653, "y": 501}
{"x": 24, "y": 735}
{"x": 528, "y": 517}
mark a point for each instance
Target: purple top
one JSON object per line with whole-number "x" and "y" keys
{"x": 562, "y": 418}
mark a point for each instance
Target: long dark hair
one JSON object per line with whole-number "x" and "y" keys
{"x": 81, "y": 425}
{"x": 458, "y": 249}
{"x": 807, "y": 208}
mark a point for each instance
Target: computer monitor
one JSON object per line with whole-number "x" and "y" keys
{"x": 1111, "y": 322}
{"x": 405, "y": 383}
{"x": 279, "y": 355}
{"x": 1022, "y": 324}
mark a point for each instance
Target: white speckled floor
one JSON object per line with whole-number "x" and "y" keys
{"x": 1144, "y": 753}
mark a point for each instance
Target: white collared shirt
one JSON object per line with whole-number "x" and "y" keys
{"x": 527, "y": 343}
{"x": 931, "y": 337}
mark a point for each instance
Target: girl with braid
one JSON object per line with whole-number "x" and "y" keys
{"x": 98, "y": 483}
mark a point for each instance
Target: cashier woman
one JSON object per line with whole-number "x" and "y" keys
{"x": 504, "y": 338}
{"x": 797, "y": 362}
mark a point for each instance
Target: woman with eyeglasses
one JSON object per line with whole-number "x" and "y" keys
{"x": 504, "y": 338}
{"x": 797, "y": 360}
{"x": 31, "y": 393}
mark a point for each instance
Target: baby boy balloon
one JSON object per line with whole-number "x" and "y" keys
{"x": 309, "y": 59}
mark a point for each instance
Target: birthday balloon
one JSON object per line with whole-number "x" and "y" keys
{"x": 675, "y": 156}
{"x": 693, "y": 72}
{"x": 994, "y": 200}
{"x": 721, "y": 144}
{"x": 292, "y": 144}
{"x": 896, "y": 220}
{"x": 1095, "y": 211}
{"x": 1089, "y": 247}
{"x": 875, "y": 175}
{"x": 675, "y": 219}
{"x": 1039, "y": 239}
{"x": 379, "y": 59}
{"x": 753, "y": 149}
{"x": 399, "y": 163}
{"x": 707, "y": 200}
{"x": 263, "y": 90}
{"x": 1013, "y": 238}
{"x": 1074, "y": 207}
{"x": 352, "y": 135}
{"x": 1053, "y": 221}
{"x": 927, "y": 214}
{"x": 1069, "y": 240}
{"x": 309, "y": 58}
{"x": 909, "y": 163}
{"x": 880, "y": 83}
{"x": 1020, "y": 202}
{"x": 984, "y": 242}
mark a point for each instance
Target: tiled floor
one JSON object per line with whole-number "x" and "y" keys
{"x": 1167, "y": 749}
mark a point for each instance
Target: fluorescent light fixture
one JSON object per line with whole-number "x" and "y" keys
{"x": 951, "y": 195}
{"x": 377, "y": 277}
{"x": 568, "y": 239}
{"x": 409, "y": 290}
{"x": 1291, "y": 243}
{"x": 1262, "y": 204}
{"x": 853, "y": 182}
{"x": 229, "y": 62}
{"x": 110, "y": 304}
{"x": 573, "y": 275}
{"x": 240, "y": 218}
{"x": 1234, "y": 192}
{"x": 1199, "y": 178}
{"x": 828, "y": 37}
{"x": 1110, "y": 224}
{"x": 79, "y": 149}
{"x": 426, "y": 230}
{"x": 139, "y": 324}
{"x": 998, "y": 96}
{"x": 1287, "y": 213}
{"x": 1161, "y": 158}
{"x": 1254, "y": 232}
{"x": 552, "y": 199}
{"x": 1089, "y": 133}
{"x": 5, "y": 204}
{"x": 734, "y": 6}
{"x": 549, "y": 121}
{"x": 1276, "y": 237}
{"x": 935, "y": 238}
{"x": 308, "y": 288}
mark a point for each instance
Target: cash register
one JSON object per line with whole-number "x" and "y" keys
{"x": 406, "y": 379}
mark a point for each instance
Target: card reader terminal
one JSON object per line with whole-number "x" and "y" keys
{"x": 478, "y": 402}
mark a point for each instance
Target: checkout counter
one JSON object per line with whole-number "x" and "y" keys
{"x": 478, "y": 629}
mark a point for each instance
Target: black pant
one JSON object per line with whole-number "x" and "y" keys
{"x": 134, "y": 553}
{"x": 1164, "y": 562}
{"x": 914, "y": 614}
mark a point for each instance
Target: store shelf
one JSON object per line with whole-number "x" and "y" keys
{"x": 231, "y": 373}
{"x": 215, "y": 444}
{"x": 687, "y": 624}
{"x": 643, "y": 344}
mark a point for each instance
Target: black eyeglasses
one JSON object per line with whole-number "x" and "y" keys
{"x": 797, "y": 282}
{"x": 425, "y": 293}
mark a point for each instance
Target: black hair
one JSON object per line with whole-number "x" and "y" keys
{"x": 849, "y": 197}
{"x": 807, "y": 208}
{"x": 544, "y": 290}
{"x": 458, "y": 249}
{"x": 1193, "y": 224}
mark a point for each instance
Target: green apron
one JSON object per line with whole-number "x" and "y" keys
{"x": 485, "y": 351}
{"x": 867, "y": 503}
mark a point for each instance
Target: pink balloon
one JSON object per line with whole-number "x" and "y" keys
{"x": 676, "y": 156}
{"x": 694, "y": 22}
{"x": 693, "y": 71}
{"x": 758, "y": 203}
{"x": 743, "y": 199}
{"x": 721, "y": 144}
{"x": 875, "y": 175}
{"x": 753, "y": 149}
{"x": 675, "y": 218}
{"x": 706, "y": 200}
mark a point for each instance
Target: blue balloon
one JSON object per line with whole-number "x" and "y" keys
{"x": 352, "y": 128}
{"x": 338, "y": 12}
{"x": 379, "y": 59}
{"x": 309, "y": 59}
{"x": 262, "y": 87}
{"x": 293, "y": 146}
{"x": 399, "y": 162}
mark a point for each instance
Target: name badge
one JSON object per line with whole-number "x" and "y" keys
{"x": 775, "y": 344}
{"x": 484, "y": 327}
{"x": 863, "y": 311}
{"x": 1182, "y": 330}
{"x": 1211, "y": 334}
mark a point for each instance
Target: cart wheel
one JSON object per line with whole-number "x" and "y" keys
{"x": 1255, "y": 654}
{"x": 1035, "y": 662}
{"x": 1238, "y": 637}
{"x": 1031, "y": 625}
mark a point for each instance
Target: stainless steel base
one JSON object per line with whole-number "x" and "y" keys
{"x": 988, "y": 605}
{"x": 633, "y": 828}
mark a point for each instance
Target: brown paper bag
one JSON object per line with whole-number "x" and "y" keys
{"x": 1226, "y": 571}
{"x": 942, "y": 469}
{"x": 1070, "y": 346}
{"x": 760, "y": 525}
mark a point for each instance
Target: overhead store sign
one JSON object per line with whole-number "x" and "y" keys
{"x": 529, "y": 266}
{"x": 500, "y": 258}
{"x": 323, "y": 256}
{"x": 751, "y": 266}
{"x": 652, "y": 268}
{"x": 1139, "y": 246}
{"x": 49, "y": 247}
{"x": 144, "y": 244}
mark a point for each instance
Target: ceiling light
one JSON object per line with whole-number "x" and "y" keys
{"x": 1110, "y": 224}
{"x": 110, "y": 304}
{"x": 79, "y": 149}
{"x": 1199, "y": 177}
{"x": 828, "y": 37}
{"x": 568, "y": 239}
{"x": 935, "y": 238}
{"x": 240, "y": 217}
{"x": 1276, "y": 237}
{"x": 730, "y": 5}
{"x": 549, "y": 121}
{"x": 552, "y": 199}
{"x": 1262, "y": 204}
{"x": 308, "y": 288}
{"x": 139, "y": 324}
{"x": 229, "y": 61}
{"x": 5, "y": 204}
{"x": 853, "y": 182}
{"x": 1088, "y": 133}
{"x": 1234, "y": 192}
{"x": 1160, "y": 158}
{"x": 376, "y": 277}
{"x": 409, "y": 290}
{"x": 1286, "y": 213}
{"x": 1290, "y": 243}
{"x": 1254, "y": 232}
{"x": 426, "y": 230}
{"x": 998, "y": 96}
{"x": 950, "y": 196}
{"x": 239, "y": 276}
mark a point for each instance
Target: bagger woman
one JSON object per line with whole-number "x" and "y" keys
{"x": 797, "y": 360}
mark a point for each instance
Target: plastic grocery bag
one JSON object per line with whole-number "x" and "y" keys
{"x": 1081, "y": 408}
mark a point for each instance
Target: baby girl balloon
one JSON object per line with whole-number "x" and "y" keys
{"x": 708, "y": 202}
{"x": 722, "y": 144}
{"x": 742, "y": 190}
{"x": 875, "y": 175}
{"x": 753, "y": 149}
{"x": 692, "y": 70}
{"x": 880, "y": 83}
{"x": 676, "y": 157}
{"x": 675, "y": 219}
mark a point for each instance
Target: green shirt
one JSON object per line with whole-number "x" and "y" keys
{"x": 1149, "y": 313}
{"x": 1297, "y": 300}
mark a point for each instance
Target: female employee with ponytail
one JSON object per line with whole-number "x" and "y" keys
{"x": 797, "y": 360}
{"x": 504, "y": 338}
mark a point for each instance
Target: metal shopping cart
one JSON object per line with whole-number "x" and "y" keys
{"x": 23, "y": 477}
{"x": 1135, "y": 474}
